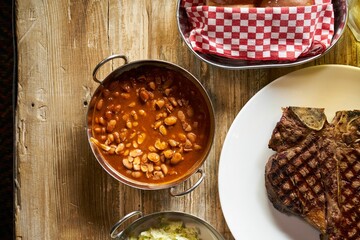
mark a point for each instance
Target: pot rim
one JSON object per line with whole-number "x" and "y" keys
{"x": 171, "y": 214}
{"x": 129, "y": 181}
{"x": 340, "y": 22}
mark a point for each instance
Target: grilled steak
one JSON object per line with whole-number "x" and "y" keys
{"x": 315, "y": 172}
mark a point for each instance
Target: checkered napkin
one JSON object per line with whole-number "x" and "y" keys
{"x": 277, "y": 33}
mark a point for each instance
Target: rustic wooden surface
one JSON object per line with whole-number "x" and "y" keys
{"x": 61, "y": 191}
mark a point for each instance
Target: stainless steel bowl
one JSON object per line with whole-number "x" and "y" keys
{"x": 340, "y": 13}
{"x": 116, "y": 74}
{"x": 153, "y": 220}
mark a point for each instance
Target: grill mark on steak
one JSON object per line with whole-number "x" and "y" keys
{"x": 344, "y": 218}
{"x": 315, "y": 173}
{"x": 294, "y": 177}
{"x": 344, "y": 223}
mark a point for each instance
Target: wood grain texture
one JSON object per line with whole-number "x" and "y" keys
{"x": 61, "y": 191}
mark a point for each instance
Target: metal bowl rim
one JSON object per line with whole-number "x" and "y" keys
{"x": 176, "y": 214}
{"x": 266, "y": 65}
{"x": 163, "y": 185}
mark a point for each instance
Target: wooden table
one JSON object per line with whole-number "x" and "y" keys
{"x": 61, "y": 190}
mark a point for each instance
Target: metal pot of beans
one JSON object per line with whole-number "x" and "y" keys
{"x": 164, "y": 225}
{"x": 150, "y": 124}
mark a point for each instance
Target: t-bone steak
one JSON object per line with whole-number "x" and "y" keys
{"x": 315, "y": 172}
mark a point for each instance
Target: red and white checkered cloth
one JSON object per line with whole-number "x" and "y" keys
{"x": 277, "y": 33}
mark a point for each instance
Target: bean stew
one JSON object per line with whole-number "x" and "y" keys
{"x": 150, "y": 124}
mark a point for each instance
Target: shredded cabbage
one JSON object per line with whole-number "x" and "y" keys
{"x": 169, "y": 231}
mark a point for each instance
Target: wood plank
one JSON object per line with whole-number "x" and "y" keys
{"x": 62, "y": 192}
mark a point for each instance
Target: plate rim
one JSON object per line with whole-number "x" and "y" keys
{"x": 326, "y": 67}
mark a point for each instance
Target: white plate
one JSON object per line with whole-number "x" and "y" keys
{"x": 247, "y": 210}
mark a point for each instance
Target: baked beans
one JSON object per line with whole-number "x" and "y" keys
{"x": 151, "y": 124}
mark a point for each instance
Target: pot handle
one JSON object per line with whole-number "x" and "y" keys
{"x": 174, "y": 194}
{"x": 111, "y": 57}
{"x": 113, "y": 231}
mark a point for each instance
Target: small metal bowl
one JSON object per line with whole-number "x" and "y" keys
{"x": 191, "y": 80}
{"x": 340, "y": 13}
{"x": 153, "y": 220}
